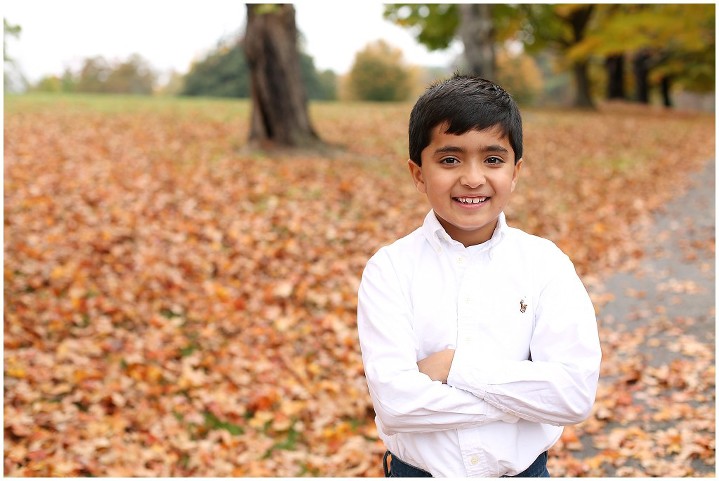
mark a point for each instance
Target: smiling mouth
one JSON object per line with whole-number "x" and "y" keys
{"x": 471, "y": 200}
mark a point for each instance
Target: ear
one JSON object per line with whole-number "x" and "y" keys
{"x": 515, "y": 174}
{"x": 416, "y": 172}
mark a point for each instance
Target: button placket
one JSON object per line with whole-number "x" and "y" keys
{"x": 466, "y": 308}
{"x": 464, "y": 324}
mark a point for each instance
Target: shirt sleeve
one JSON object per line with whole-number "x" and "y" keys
{"x": 558, "y": 384}
{"x": 406, "y": 400}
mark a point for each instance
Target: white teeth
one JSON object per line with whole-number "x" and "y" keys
{"x": 471, "y": 200}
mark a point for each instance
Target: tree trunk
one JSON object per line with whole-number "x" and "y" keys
{"x": 615, "y": 77}
{"x": 640, "y": 64}
{"x": 583, "y": 97}
{"x": 477, "y": 34}
{"x": 665, "y": 85}
{"x": 279, "y": 115}
{"x": 578, "y": 21}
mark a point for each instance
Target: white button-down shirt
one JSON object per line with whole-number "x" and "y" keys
{"x": 526, "y": 356}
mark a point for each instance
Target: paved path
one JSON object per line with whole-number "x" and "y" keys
{"x": 661, "y": 328}
{"x": 678, "y": 267}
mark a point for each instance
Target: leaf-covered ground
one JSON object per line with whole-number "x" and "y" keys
{"x": 176, "y": 305}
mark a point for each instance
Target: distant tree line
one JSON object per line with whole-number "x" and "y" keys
{"x": 97, "y": 75}
{"x": 221, "y": 73}
{"x": 540, "y": 52}
{"x": 378, "y": 74}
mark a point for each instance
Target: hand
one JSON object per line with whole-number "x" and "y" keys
{"x": 437, "y": 365}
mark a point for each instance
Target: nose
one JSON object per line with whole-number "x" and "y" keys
{"x": 472, "y": 175}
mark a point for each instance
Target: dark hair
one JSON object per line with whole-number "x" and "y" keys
{"x": 464, "y": 102}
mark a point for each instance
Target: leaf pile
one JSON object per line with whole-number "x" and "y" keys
{"x": 178, "y": 306}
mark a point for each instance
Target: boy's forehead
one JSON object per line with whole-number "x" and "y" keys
{"x": 440, "y": 136}
{"x": 444, "y": 127}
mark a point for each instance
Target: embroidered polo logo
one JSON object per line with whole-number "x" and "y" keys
{"x": 522, "y": 306}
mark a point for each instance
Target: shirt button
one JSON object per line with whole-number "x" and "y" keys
{"x": 467, "y": 300}
{"x": 460, "y": 260}
{"x": 474, "y": 460}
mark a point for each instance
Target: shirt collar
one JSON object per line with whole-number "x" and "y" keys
{"x": 439, "y": 239}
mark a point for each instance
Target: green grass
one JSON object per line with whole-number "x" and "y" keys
{"x": 213, "y": 108}
{"x": 213, "y": 422}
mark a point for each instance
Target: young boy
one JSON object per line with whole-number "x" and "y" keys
{"x": 479, "y": 341}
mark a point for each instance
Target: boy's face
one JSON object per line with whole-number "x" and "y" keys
{"x": 468, "y": 179}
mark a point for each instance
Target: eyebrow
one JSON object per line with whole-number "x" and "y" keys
{"x": 496, "y": 148}
{"x": 450, "y": 149}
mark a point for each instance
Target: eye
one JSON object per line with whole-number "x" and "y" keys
{"x": 494, "y": 160}
{"x": 449, "y": 161}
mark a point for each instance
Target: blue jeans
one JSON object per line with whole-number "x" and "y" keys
{"x": 399, "y": 469}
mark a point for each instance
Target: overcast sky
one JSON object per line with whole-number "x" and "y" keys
{"x": 170, "y": 34}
